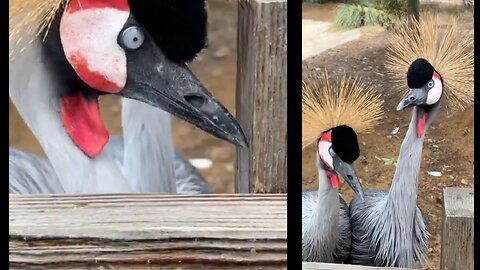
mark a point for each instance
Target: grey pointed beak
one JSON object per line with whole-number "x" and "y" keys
{"x": 348, "y": 173}
{"x": 172, "y": 87}
{"x": 416, "y": 96}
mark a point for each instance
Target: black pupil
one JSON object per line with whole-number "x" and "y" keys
{"x": 135, "y": 39}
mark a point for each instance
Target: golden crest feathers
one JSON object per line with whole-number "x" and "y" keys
{"x": 441, "y": 42}
{"x": 28, "y": 19}
{"x": 327, "y": 104}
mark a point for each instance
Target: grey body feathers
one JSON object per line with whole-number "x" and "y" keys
{"x": 31, "y": 174}
{"x": 378, "y": 239}
{"x": 388, "y": 228}
{"x": 325, "y": 238}
{"x": 188, "y": 179}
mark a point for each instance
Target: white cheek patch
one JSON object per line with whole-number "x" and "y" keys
{"x": 435, "y": 93}
{"x": 323, "y": 152}
{"x": 89, "y": 39}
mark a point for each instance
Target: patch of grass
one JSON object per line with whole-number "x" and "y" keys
{"x": 355, "y": 16}
{"x": 349, "y": 16}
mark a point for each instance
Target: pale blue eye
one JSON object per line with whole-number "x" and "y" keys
{"x": 132, "y": 38}
{"x": 431, "y": 84}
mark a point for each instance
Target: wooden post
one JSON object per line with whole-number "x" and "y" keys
{"x": 458, "y": 230}
{"x": 145, "y": 231}
{"x": 261, "y": 97}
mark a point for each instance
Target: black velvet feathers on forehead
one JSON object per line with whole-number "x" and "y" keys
{"x": 419, "y": 73}
{"x": 178, "y": 27}
{"x": 345, "y": 143}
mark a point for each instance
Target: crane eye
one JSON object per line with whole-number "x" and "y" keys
{"x": 431, "y": 84}
{"x": 132, "y": 38}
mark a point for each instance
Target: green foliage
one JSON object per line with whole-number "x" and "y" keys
{"x": 314, "y": 1}
{"x": 349, "y": 16}
{"x": 394, "y": 7}
{"x": 389, "y": 161}
{"x": 377, "y": 17}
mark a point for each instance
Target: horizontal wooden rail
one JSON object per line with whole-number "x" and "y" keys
{"x": 145, "y": 231}
{"x": 332, "y": 266}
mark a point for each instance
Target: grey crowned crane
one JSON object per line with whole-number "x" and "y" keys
{"x": 388, "y": 228}
{"x": 332, "y": 114}
{"x": 65, "y": 54}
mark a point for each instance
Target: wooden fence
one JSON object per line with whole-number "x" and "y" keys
{"x": 141, "y": 231}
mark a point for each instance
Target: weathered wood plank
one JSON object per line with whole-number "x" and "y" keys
{"x": 148, "y": 232}
{"x": 332, "y": 266}
{"x": 458, "y": 229}
{"x": 261, "y": 96}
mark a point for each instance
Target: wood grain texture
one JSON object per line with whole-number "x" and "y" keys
{"x": 332, "y": 266}
{"x": 261, "y": 96}
{"x": 148, "y": 232}
{"x": 458, "y": 230}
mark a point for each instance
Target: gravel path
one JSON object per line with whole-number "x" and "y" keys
{"x": 317, "y": 38}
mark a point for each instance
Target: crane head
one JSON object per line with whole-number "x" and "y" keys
{"x": 426, "y": 91}
{"x": 425, "y": 84}
{"x": 137, "y": 50}
{"x": 337, "y": 151}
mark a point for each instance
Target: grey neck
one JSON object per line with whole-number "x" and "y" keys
{"x": 31, "y": 90}
{"x": 149, "y": 154}
{"x": 403, "y": 192}
{"x": 328, "y": 202}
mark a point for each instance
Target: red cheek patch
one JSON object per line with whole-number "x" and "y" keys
{"x": 76, "y": 5}
{"x": 95, "y": 80}
{"x": 81, "y": 119}
{"x": 327, "y": 137}
{"x": 89, "y": 33}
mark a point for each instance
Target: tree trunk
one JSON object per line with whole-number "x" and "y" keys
{"x": 414, "y": 8}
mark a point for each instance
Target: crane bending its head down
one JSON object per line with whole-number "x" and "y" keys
{"x": 65, "y": 54}
{"x": 124, "y": 47}
{"x": 332, "y": 113}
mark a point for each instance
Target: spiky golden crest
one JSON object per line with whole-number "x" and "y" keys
{"x": 327, "y": 104}
{"x": 28, "y": 19}
{"x": 448, "y": 49}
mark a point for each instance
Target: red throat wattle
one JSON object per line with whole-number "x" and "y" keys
{"x": 334, "y": 179}
{"x": 91, "y": 4}
{"x": 81, "y": 119}
{"x": 421, "y": 123}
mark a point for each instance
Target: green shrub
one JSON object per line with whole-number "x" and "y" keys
{"x": 376, "y": 17}
{"x": 314, "y": 1}
{"x": 394, "y": 7}
{"x": 349, "y": 16}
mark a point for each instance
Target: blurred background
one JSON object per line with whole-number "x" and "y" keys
{"x": 216, "y": 68}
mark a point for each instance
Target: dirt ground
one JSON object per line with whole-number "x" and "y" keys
{"x": 216, "y": 68}
{"x": 448, "y": 147}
